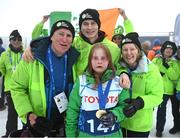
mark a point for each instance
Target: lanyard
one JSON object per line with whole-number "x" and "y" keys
{"x": 103, "y": 96}
{"x": 11, "y": 60}
{"x": 130, "y": 89}
{"x": 52, "y": 82}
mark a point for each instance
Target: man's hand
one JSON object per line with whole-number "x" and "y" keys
{"x": 40, "y": 126}
{"x": 124, "y": 81}
{"x": 45, "y": 18}
{"x": 27, "y": 55}
{"x": 122, "y": 13}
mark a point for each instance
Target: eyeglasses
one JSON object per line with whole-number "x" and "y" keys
{"x": 16, "y": 38}
{"x": 117, "y": 38}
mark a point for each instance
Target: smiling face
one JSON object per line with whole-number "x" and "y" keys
{"x": 89, "y": 28}
{"x": 168, "y": 52}
{"x": 16, "y": 42}
{"x": 130, "y": 54}
{"x": 61, "y": 41}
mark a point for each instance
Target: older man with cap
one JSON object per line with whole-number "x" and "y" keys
{"x": 8, "y": 63}
{"x": 168, "y": 68}
{"x": 41, "y": 88}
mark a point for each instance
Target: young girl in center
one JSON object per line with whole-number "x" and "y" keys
{"x": 96, "y": 101}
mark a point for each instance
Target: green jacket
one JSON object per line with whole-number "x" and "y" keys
{"x": 84, "y": 48}
{"x": 169, "y": 75}
{"x": 177, "y": 84}
{"x": 74, "y": 107}
{"x": 28, "y": 87}
{"x": 8, "y": 62}
{"x": 146, "y": 83}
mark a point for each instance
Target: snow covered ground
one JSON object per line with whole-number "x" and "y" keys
{"x": 168, "y": 125}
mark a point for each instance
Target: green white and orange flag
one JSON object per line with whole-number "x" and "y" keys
{"x": 108, "y": 19}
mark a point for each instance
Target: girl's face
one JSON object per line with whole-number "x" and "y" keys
{"x": 130, "y": 54}
{"x": 89, "y": 28}
{"x": 99, "y": 61}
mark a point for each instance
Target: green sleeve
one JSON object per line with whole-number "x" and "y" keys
{"x": 178, "y": 85}
{"x": 37, "y": 31}
{"x": 73, "y": 110}
{"x": 120, "y": 69}
{"x": 19, "y": 90}
{"x": 2, "y": 63}
{"x": 153, "y": 93}
{"x": 118, "y": 110}
{"x": 172, "y": 71}
{"x": 128, "y": 26}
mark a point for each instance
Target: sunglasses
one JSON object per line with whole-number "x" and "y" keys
{"x": 16, "y": 38}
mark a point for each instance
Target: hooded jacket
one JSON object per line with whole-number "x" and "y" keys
{"x": 146, "y": 83}
{"x": 8, "y": 63}
{"x": 169, "y": 75}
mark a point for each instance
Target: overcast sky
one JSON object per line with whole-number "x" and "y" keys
{"x": 146, "y": 15}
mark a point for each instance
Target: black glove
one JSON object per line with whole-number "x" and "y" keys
{"x": 41, "y": 128}
{"x": 108, "y": 119}
{"x": 133, "y": 106}
{"x": 165, "y": 64}
{"x": 162, "y": 74}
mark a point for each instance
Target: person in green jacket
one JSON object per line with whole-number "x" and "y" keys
{"x": 168, "y": 68}
{"x": 38, "y": 30}
{"x": 90, "y": 33}
{"x": 8, "y": 63}
{"x": 146, "y": 88}
{"x": 175, "y": 101}
{"x": 96, "y": 101}
{"x": 40, "y": 89}
{"x": 118, "y": 32}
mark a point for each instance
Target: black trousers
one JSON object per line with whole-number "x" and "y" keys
{"x": 175, "y": 111}
{"x": 2, "y": 99}
{"x": 12, "y": 117}
{"x": 129, "y": 133}
{"x": 161, "y": 112}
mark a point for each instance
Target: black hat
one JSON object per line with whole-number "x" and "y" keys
{"x": 1, "y": 42}
{"x": 62, "y": 24}
{"x": 89, "y": 14}
{"x": 15, "y": 34}
{"x": 132, "y": 37}
{"x": 169, "y": 44}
